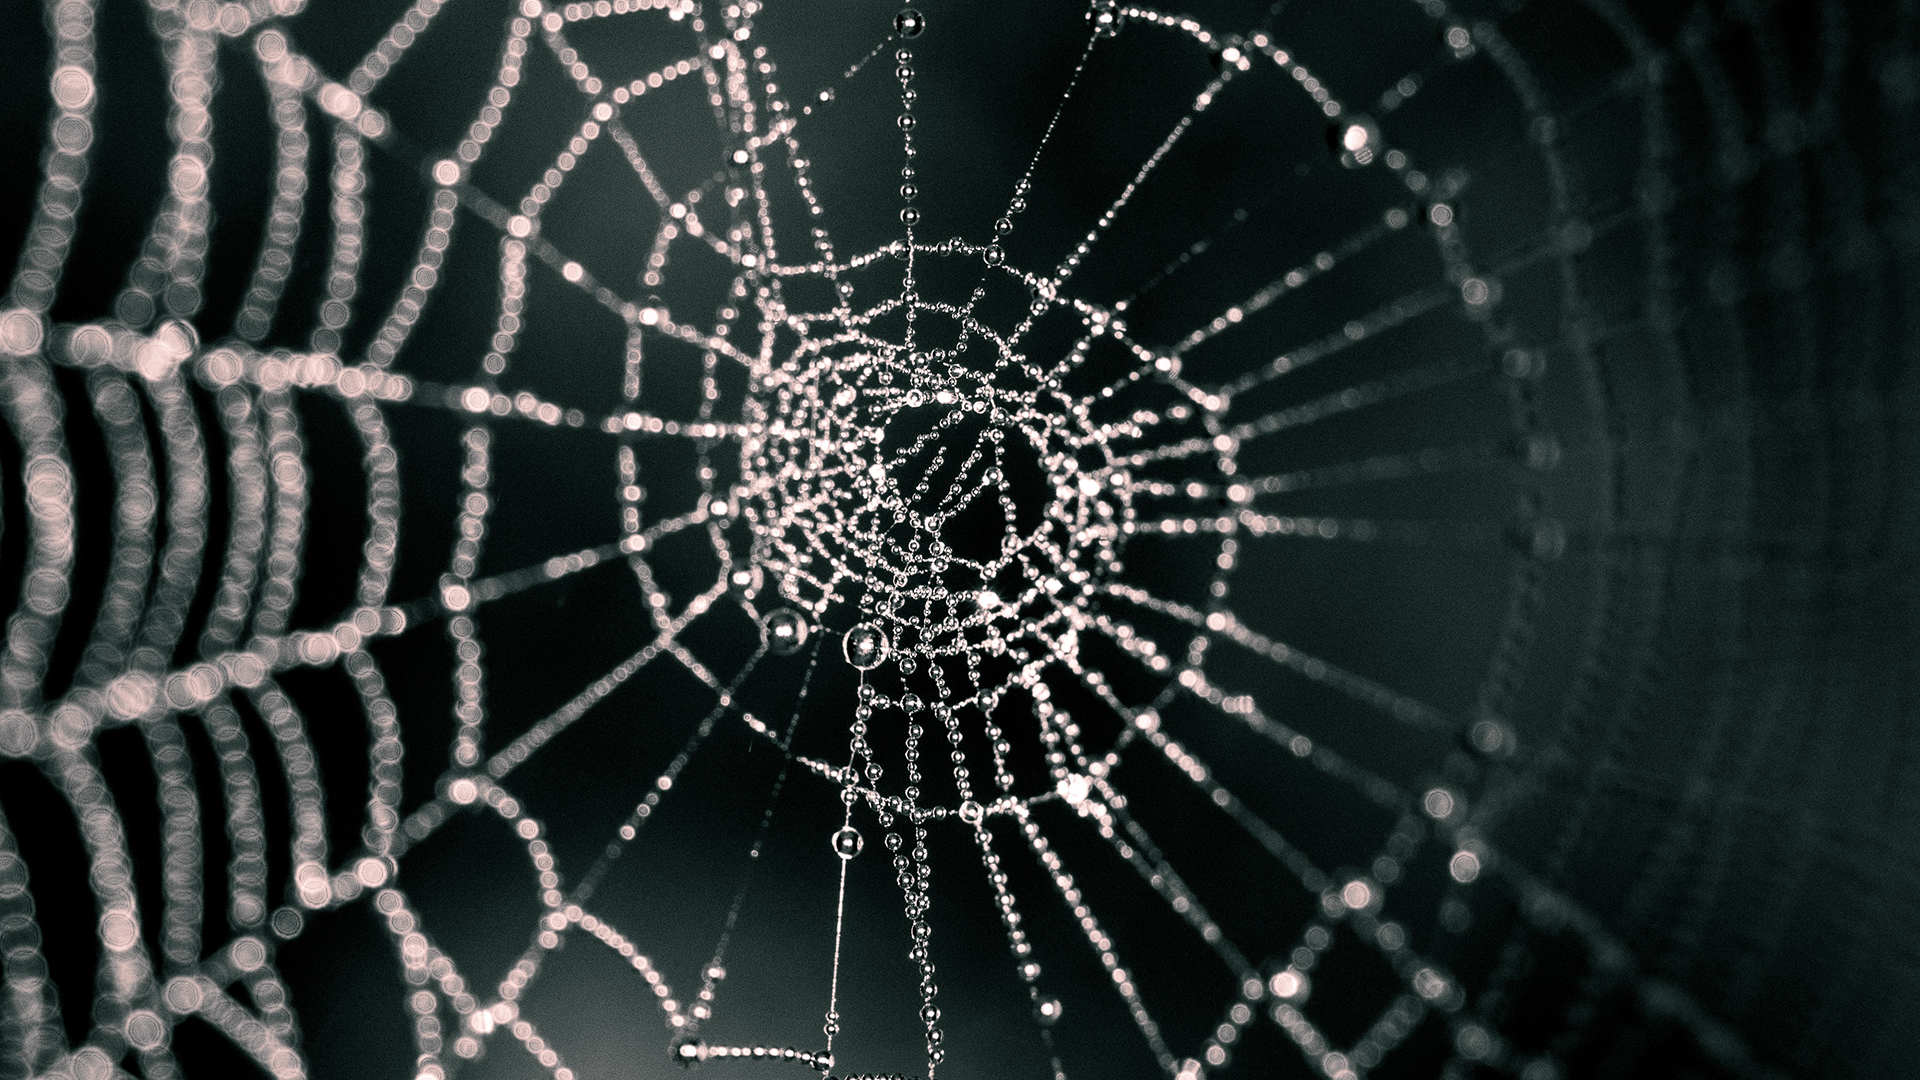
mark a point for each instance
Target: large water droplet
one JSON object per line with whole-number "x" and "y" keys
{"x": 786, "y": 631}
{"x": 866, "y": 646}
{"x": 847, "y": 842}
{"x": 909, "y": 23}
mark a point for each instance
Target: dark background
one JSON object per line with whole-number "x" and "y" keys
{"x": 1698, "y": 624}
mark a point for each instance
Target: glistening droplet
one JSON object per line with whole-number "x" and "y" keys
{"x": 786, "y": 631}
{"x": 866, "y": 646}
{"x": 847, "y": 842}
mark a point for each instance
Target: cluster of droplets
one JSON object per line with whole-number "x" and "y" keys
{"x": 907, "y": 121}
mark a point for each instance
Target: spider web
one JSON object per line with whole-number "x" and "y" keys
{"x": 981, "y": 504}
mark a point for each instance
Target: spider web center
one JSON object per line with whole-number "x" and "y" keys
{"x": 946, "y": 492}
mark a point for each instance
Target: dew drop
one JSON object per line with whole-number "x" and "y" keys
{"x": 847, "y": 842}
{"x": 1105, "y": 16}
{"x": 865, "y": 646}
{"x": 786, "y": 631}
{"x": 909, "y": 23}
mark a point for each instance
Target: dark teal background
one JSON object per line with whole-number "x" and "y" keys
{"x": 1711, "y": 675}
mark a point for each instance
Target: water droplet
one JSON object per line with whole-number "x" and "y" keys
{"x": 1047, "y": 1011}
{"x": 1356, "y": 140}
{"x": 847, "y": 842}
{"x": 908, "y": 191}
{"x": 786, "y": 631}
{"x": 906, "y": 121}
{"x": 972, "y": 812}
{"x": 1289, "y": 985}
{"x": 910, "y": 216}
{"x": 1105, "y": 16}
{"x": 866, "y": 646}
{"x": 909, "y": 23}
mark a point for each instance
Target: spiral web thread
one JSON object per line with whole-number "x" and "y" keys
{"x": 781, "y": 549}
